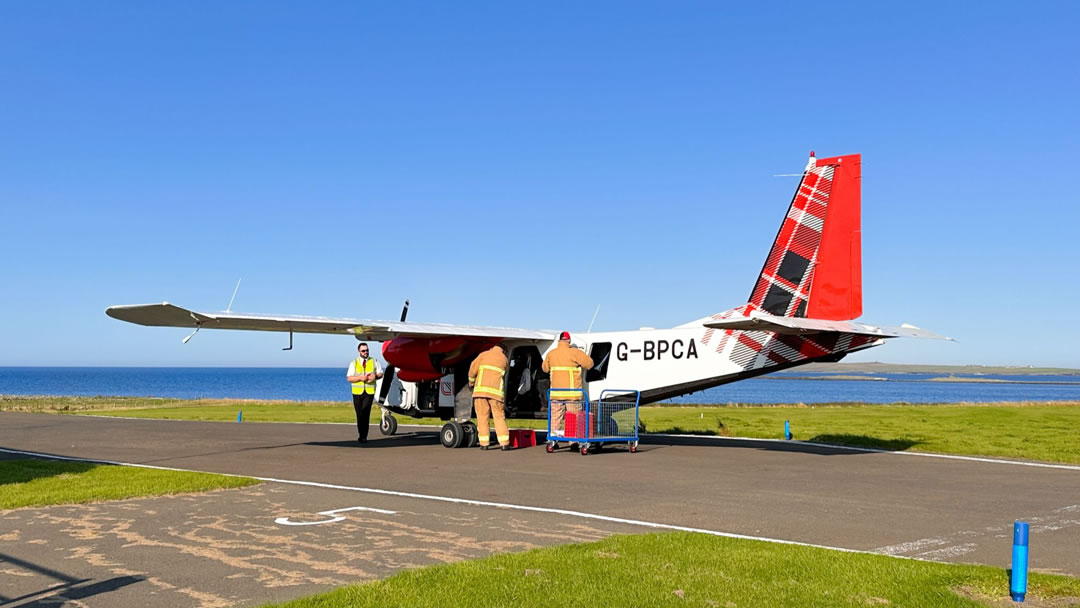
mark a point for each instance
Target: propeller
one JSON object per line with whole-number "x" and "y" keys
{"x": 388, "y": 375}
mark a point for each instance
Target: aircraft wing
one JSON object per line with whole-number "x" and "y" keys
{"x": 797, "y": 325}
{"x": 169, "y": 315}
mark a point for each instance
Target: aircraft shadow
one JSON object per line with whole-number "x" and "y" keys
{"x": 842, "y": 442}
{"x": 394, "y": 441}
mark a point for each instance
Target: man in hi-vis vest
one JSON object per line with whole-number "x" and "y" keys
{"x": 565, "y": 364}
{"x": 486, "y": 379}
{"x": 363, "y": 372}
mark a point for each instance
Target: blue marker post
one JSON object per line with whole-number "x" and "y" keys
{"x": 240, "y": 416}
{"x": 1018, "y": 584}
{"x": 787, "y": 430}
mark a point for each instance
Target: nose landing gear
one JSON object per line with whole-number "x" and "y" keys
{"x": 388, "y": 424}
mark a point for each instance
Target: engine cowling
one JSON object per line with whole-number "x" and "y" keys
{"x": 411, "y": 376}
{"x": 425, "y": 358}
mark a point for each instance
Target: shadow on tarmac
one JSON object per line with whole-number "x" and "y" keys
{"x": 859, "y": 441}
{"x": 32, "y": 468}
{"x": 395, "y": 441}
{"x": 68, "y": 589}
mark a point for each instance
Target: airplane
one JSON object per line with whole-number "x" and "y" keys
{"x": 801, "y": 310}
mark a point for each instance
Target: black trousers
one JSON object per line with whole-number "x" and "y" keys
{"x": 361, "y": 404}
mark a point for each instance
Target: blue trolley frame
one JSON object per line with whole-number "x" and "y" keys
{"x": 597, "y": 409}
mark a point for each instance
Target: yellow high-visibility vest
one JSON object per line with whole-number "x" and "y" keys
{"x": 363, "y": 367}
{"x": 487, "y": 389}
{"x": 572, "y": 379}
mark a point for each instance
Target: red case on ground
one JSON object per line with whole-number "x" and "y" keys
{"x": 570, "y": 425}
{"x": 522, "y": 438}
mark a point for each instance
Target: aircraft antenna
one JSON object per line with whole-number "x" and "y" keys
{"x": 593, "y": 318}
{"x": 229, "y": 307}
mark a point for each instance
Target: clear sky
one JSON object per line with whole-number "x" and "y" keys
{"x": 340, "y": 157}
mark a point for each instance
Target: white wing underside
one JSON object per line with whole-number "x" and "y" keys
{"x": 169, "y": 315}
{"x": 795, "y": 325}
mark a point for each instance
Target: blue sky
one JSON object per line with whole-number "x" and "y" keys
{"x": 342, "y": 158}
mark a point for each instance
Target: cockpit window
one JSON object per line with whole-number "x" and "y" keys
{"x": 600, "y": 354}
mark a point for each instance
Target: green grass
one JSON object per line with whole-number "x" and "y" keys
{"x": 1033, "y": 431}
{"x": 37, "y": 483}
{"x": 692, "y": 570}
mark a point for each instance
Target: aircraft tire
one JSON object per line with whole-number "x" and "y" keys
{"x": 452, "y": 434}
{"x": 388, "y": 425}
{"x": 472, "y": 435}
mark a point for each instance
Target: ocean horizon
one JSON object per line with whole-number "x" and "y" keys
{"x": 328, "y": 384}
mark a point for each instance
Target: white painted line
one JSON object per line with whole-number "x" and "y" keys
{"x": 1023, "y": 463}
{"x": 333, "y": 514}
{"x": 461, "y": 501}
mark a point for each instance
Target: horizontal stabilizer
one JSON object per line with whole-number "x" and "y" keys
{"x": 758, "y": 321}
{"x": 169, "y": 315}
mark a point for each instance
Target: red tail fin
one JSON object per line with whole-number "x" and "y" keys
{"x": 814, "y": 268}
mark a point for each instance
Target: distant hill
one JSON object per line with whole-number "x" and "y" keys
{"x": 902, "y": 368}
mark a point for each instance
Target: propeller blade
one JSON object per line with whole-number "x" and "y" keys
{"x": 387, "y": 380}
{"x": 388, "y": 375}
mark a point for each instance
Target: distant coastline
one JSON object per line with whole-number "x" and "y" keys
{"x": 959, "y": 379}
{"x": 875, "y": 367}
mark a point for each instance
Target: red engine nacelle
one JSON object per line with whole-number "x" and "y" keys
{"x": 411, "y": 376}
{"x": 424, "y": 358}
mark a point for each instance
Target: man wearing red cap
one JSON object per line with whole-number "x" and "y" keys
{"x": 565, "y": 364}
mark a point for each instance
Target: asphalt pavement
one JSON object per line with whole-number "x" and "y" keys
{"x": 405, "y": 501}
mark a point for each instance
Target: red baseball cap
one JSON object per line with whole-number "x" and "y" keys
{"x": 564, "y": 335}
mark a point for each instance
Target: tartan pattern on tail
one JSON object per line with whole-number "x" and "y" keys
{"x": 756, "y": 349}
{"x": 783, "y": 288}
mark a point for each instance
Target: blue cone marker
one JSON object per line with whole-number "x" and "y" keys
{"x": 1018, "y": 584}
{"x": 240, "y": 416}
{"x": 787, "y": 430}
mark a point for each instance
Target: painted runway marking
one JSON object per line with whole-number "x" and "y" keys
{"x": 951, "y": 546}
{"x": 460, "y": 501}
{"x": 332, "y": 514}
{"x": 1044, "y": 465}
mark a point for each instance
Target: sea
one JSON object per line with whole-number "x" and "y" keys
{"x": 328, "y": 384}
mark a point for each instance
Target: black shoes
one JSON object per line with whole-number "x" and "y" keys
{"x": 504, "y": 448}
{"x": 361, "y": 440}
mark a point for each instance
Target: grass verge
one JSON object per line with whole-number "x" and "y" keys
{"x": 686, "y": 569}
{"x": 1033, "y": 431}
{"x": 37, "y": 483}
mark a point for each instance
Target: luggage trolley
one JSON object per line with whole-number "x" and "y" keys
{"x": 611, "y": 419}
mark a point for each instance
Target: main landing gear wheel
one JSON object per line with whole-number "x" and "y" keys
{"x": 452, "y": 434}
{"x": 472, "y": 435}
{"x": 388, "y": 425}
